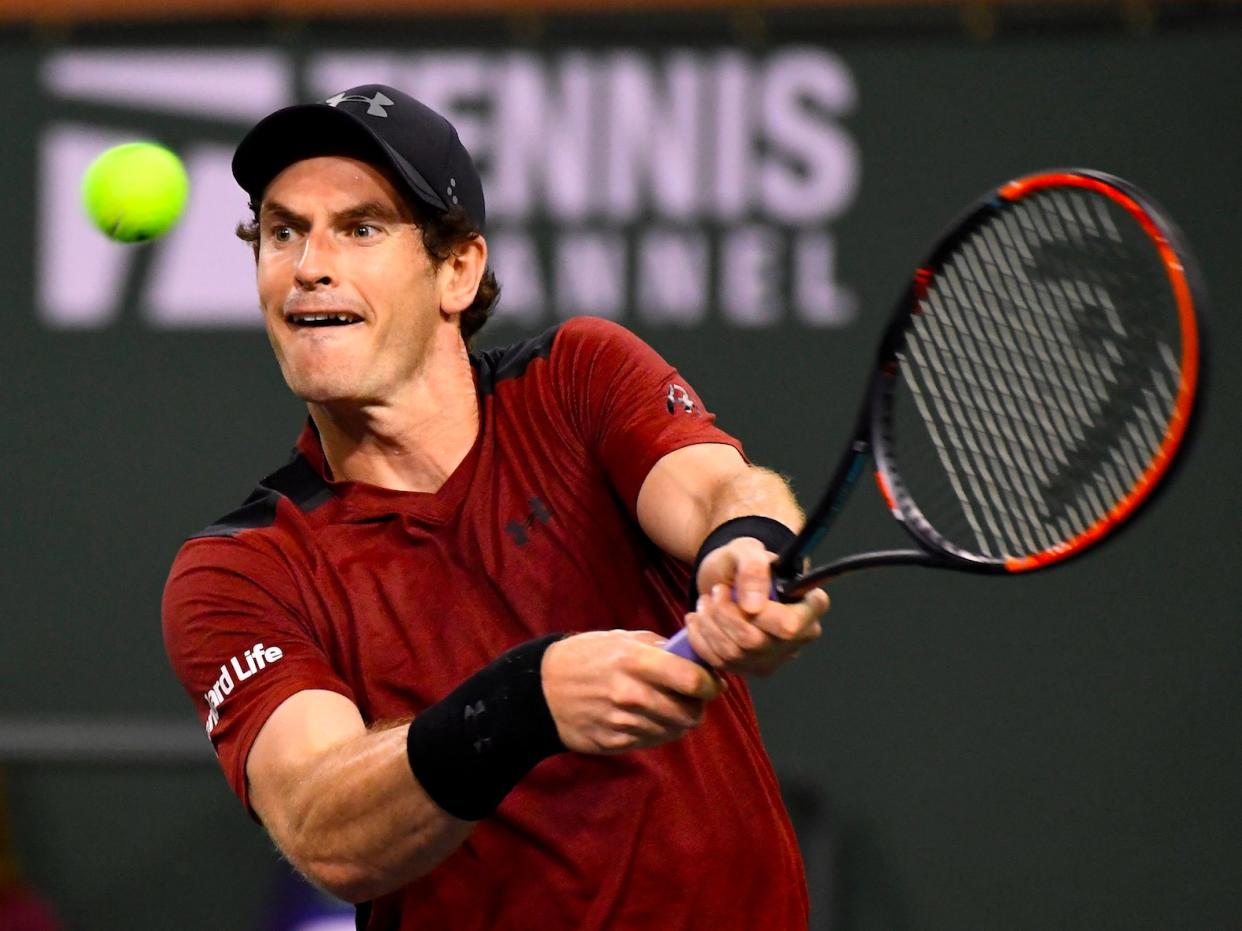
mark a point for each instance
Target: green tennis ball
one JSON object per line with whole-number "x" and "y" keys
{"x": 135, "y": 192}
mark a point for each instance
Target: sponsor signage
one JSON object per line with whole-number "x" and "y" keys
{"x": 664, "y": 189}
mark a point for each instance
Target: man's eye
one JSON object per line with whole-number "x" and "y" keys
{"x": 282, "y": 233}
{"x": 364, "y": 231}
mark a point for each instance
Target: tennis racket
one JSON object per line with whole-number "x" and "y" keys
{"x": 1034, "y": 387}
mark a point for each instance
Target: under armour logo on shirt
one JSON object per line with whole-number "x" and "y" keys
{"x": 375, "y": 105}
{"x": 519, "y": 530}
{"x": 679, "y": 397}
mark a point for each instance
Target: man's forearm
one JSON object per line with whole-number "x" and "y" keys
{"x": 373, "y": 809}
{"x": 754, "y": 492}
{"x": 358, "y": 824}
{"x": 694, "y": 490}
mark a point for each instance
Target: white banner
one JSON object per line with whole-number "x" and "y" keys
{"x": 667, "y": 188}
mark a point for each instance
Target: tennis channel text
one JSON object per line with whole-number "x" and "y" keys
{"x": 663, "y": 187}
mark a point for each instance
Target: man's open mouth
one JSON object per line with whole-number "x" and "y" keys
{"x": 333, "y": 318}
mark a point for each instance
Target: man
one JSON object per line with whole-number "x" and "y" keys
{"x": 493, "y": 546}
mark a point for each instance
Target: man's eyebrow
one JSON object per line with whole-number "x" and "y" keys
{"x": 277, "y": 210}
{"x": 372, "y": 209}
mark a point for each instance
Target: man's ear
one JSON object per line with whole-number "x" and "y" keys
{"x": 460, "y": 275}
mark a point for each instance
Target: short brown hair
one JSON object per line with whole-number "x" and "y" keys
{"x": 442, "y": 233}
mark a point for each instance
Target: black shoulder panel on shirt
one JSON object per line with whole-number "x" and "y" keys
{"x": 496, "y": 365}
{"x": 298, "y": 481}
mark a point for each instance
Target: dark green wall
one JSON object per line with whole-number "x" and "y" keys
{"x": 1055, "y": 751}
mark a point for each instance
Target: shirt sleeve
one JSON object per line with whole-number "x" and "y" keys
{"x": 629, "y": 406}
{"x": 239, "y": 644}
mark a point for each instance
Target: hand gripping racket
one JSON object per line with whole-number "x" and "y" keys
{"x": 1034, "y": 387}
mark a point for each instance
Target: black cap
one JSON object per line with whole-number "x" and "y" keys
{"x": 373, "y": 123}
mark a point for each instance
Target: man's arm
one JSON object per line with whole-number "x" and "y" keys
{"x": 342, "y": 801}
{"x": 688, "y": 494}
{"x": 692, "y": 490}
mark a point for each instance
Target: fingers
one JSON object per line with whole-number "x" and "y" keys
{"x": 724, "y": 631}
{"x": 753, "y": 577}
{"x": 796, "y": 622}
{"x": 648, "y": 637}
{"x": 612, "y": 691}
{"x": 663, "y": 670}
{"x": 744, "y": 564}
{"x": 654, "y": 712}
{"x": 729, "y": 638}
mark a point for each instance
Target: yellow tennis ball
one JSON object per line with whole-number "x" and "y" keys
{"x": 135, "y": 192}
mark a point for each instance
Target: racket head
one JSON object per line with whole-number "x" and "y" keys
{"x": 1037, "y": 384}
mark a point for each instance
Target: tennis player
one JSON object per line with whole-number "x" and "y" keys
{"x": 427, "y": 650}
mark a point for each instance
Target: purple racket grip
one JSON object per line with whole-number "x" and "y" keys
{"x": 679, "y": 643}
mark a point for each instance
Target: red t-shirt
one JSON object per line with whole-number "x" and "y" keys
{"x": 392, "y": 598}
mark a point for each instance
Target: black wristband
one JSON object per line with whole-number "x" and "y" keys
{"x": 471, "y": 748}
{"x": 771, "y": 533}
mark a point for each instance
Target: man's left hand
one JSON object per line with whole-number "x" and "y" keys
{"x": 749, "y": 633}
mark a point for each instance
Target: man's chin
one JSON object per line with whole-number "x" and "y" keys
{"x": 335, "y": 398}
{"x": 323, "y": 393}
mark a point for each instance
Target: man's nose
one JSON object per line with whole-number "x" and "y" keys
{"x": 314, "y": 267}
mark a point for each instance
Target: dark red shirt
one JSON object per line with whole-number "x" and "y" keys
{"x": 392, "y": 598}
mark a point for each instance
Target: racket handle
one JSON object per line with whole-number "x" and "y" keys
{"x": 680, "y": 645}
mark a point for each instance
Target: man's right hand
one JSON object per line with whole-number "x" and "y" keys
{"x": 611, "y": 691}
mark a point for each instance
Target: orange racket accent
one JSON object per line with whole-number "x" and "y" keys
{"x": 1176, "y": 428}
{"x": 922, "y": 281}
{"x": 886, "y": 491}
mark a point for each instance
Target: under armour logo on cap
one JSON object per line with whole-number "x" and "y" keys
{"x": 375, "y": 105}
{"x": 377, "y": 124}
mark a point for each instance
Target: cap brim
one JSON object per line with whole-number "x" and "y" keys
{"x": 310, "y": 130}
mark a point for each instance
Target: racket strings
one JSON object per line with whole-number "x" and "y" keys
{"x": 986, "y": 473}
{"x": 1043, "y": 372}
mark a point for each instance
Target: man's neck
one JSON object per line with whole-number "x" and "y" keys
{"x": 412, "y": 443}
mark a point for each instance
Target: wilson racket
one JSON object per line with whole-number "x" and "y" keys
{"x": 1034, "y": 387}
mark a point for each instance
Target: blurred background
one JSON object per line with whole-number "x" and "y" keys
{"x": 747, "y": 186}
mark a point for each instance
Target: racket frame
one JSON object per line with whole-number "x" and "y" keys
{"x": 872, "y": 437}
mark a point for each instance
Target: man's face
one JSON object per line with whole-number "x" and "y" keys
{"x": 349, "y": 295}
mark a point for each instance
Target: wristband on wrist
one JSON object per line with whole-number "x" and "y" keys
{"x": 472, "y": 747}
{"x": 771, "y": 533}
